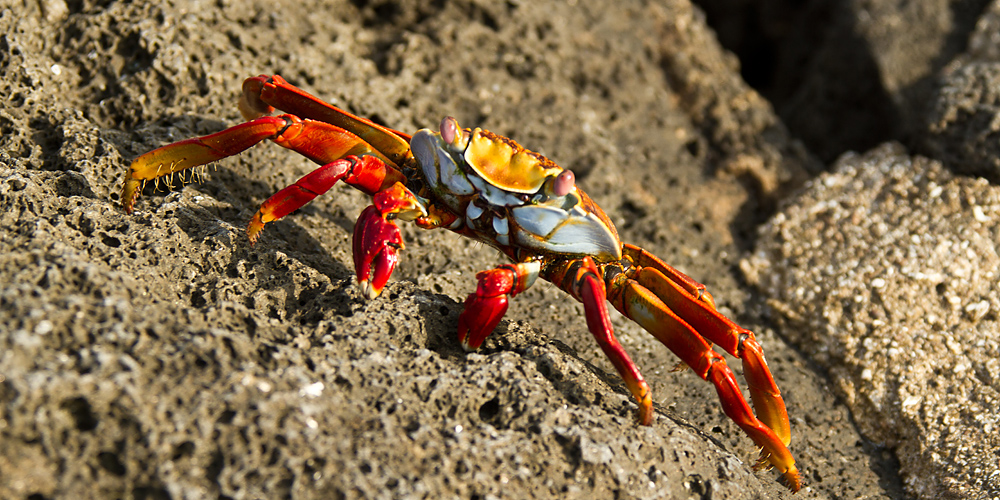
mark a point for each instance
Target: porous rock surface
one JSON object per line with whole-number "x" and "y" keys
{"x": 887, "y": 268}
{"x": 159, "y": 355}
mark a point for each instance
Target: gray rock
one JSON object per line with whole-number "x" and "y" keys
{"x": 984, "y": 43}
{"x": 962, "y": 123}
{"x": 159, "y": 355}
{"x": 885, "y": 272}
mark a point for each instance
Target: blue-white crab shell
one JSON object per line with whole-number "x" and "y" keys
{"x": 506, "y": 195}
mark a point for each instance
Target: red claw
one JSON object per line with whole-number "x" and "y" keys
{"x": 480, "y": 317}
{"x": 376, "y": 251}
{"x": 485, "y": 308}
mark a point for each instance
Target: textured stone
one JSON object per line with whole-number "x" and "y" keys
{"x": 159, "y": 355}
{"x": 886, "y": 272}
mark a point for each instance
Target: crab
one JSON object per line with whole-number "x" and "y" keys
{"x": 489, "y": 188}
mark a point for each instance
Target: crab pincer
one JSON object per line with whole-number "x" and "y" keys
{"x": 486, "y": 306}
{"x": 377, "y": 243}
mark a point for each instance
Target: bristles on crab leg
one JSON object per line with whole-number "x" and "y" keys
{"x": 198, "y": 151}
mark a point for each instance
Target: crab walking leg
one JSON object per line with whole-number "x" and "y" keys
{"x": 731, "y": 337}
{"x": 321, "y": 142}
{"x": 367, "y": 173}
{"x": 642, "y": 306}
{"x": 194, "y": 152}
{"x": 486, "y": 306}
{"x": 262, "y": 94}
{"x": 582, "y": 280}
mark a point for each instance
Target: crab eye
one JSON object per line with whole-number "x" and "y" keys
{"x": 564, "y": 183}
{"x": 449, "y": 129}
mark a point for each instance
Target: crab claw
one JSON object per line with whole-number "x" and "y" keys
{"x": 480, "y": 317}
{"x": 376, "y": 251}
{"x": 485, "y": 308}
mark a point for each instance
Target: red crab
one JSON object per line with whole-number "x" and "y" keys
{"x": 489, "y": 188}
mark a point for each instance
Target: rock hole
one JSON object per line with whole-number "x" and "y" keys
{"x": 150, "y": 493}
{"x": 412, "y": 427}
{"x": 693, "y": 148}
{"x": 83, "y": 415}
{"x": 489, "y": 409}
{"x": 185, "y": 449}
{"x": 109, "y": 461}
{"x": 198, "y": 300}
{"x": 227, "y": 417}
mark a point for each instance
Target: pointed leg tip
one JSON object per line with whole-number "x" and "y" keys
{"x": 254, "y": 227}
{"x": 791, "y": 479}
{"x": 130, "y": 193}
{"x": 646, "y": 413}
{"x": 645, "y": 418}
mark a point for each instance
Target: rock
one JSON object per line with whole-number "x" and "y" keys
{"x": 159, "y": 355}
{"x": 885, "y": 272}
{"x": 963, "y": 123}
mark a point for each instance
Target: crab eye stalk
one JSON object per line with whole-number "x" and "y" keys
{"x": 564, "y": 183}
{"x": 450, "y": 130}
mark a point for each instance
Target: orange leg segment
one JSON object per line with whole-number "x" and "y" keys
{"x": 261, "y": 94}
{"x": 198, "y": 151}
{"x": 594, "y": 300}
{"x": 366, "y": 173}
{"x": 679, "y": 322}
{"x": 734, "y": 339}
{"x": 642, "y": 258}
{"x": 582, "y": 279}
